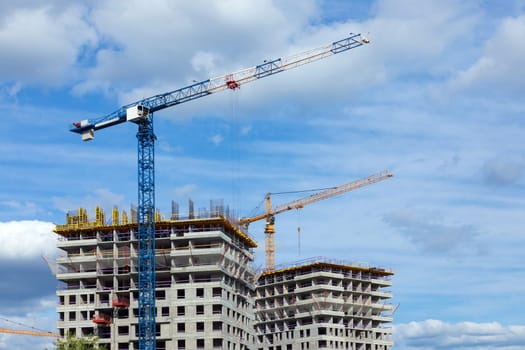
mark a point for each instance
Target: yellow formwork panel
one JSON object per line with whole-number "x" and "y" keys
{"x": 115, "y": 216}
{"x": 100, "y": 216}
{"x": 378, "y": 271}
{"x": 80, "y": 222}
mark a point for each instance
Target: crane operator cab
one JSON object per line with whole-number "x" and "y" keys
{"x": 136, "y": 113}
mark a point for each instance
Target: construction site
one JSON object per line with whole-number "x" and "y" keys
{"x": 148, "y": 281}
{"x": 208, "y": 294}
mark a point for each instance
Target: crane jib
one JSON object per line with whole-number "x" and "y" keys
{"x": 345, "y": 44}
{"x": 209, "y": 86}
{"x": 155, "y": 103}
{"x": 178, "y": 96}
{"x": 268, "y": 68}
{"x": 172, "y": 101}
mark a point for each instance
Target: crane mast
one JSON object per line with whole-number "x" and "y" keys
{"x": 146, "y": 233}
{"x": 141, "y": 113}
{"x": 269, "y": 228}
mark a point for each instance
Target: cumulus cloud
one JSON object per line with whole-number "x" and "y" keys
{"x": 437, "y": 335}
{"x": 22, "y": 243}
{"x": 134, "y": 61}
{"x": 216, "y": 139}
{"x": 246, "y": 130}
{"x": 204, "y": 61}
{"x": 181, "y": 50}
{"x": 503, "y": 170}
{"x": 25, "y": 208}
{"x": 184, "y": 191}
{"x": 236, "y": 36}
{"x": 41, "y": 317}
{"x": 46, "y": 51}
{"x": 500, "y": 65}
{"x": 405, "y": 32}
{"x": 432, "y": 233}
{"x": 102, "y": 197}
{"x": 410, "y": 40}
{"x": 10, "y": 89}
{"x": 26, "y": 239}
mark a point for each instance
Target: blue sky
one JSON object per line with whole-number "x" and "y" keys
{"x": 436, "y": 98}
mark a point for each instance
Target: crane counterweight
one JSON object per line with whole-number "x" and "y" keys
{"x": 88, "y": 135}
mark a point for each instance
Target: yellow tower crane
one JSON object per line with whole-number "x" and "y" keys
{"x": 269, "y": 229}
{"x": 28, "y": 332}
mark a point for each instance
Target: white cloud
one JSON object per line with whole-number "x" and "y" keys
{"x": 235, "y": 34}
{"x": 504, "y": 170}
{"x": 184, "y": 191}
{"x": 166, "y": 147}
{"x": 407, "y": 35}
{"x": 172, "y": 50}
{"x": 436, "y": 335}
{"x": 245, "y": 130}
{"x": 41, "y": 44}
{"x": 216, "y": 139}
{"x": 381, "y": 117}
{"x": 500, "y": 65}
{"x": 26, "y": 239}
{"x": 41, "y": 317}
{"x": 433, "y": 233}
{"x": 10, "y": 90}
{"x": 101, "y": 197}
{"x": 25, "y": 208}
{"x": 204, "y": 61}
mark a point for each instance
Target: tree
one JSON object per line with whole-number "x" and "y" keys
{"x": 73, "y": 343}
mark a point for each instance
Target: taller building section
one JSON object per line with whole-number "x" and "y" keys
{"x": 323, "y": 304}
{"x": 204, "y": 281}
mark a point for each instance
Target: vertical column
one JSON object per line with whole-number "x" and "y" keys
{"x": 270, "y": 243}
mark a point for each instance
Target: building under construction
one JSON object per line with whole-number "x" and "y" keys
{"x": 208, "y": 295}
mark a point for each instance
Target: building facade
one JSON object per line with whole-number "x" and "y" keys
{"x": 204, "y": 282}
{"x": 323, "y": 304}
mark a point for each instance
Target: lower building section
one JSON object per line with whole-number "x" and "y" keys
{"x": 207, "y": 315}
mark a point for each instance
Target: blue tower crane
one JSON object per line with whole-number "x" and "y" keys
{"x": 141, "y": 113}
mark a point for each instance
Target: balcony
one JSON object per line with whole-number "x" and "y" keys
{"x": 76, "y": 243}
{"x": 72, "y": 258}
{"x": 382, "y": 318}
{"x": 198, "y": 249}
{"x": 381, "y": 282}
{"x": 381, "y": 294}
{"x": 63, "y": 276}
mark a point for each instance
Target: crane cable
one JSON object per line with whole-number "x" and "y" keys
{"x": 299, "y": 233}
{"x": 302, "y": 191}
{"x": 234, "y": 149}
{"x": 257, "y": 208}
